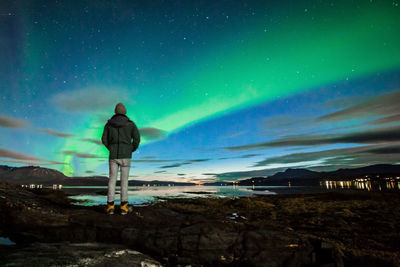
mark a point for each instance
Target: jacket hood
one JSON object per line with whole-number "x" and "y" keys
{"x": 119, "y": 120}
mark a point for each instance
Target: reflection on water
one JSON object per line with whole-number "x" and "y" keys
{"x": 6, "y": 241}
{"x": 387, "y": 184}
{"x": 138, "y": 195}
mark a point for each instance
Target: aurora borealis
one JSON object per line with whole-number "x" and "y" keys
{"x": 221, "y": 90}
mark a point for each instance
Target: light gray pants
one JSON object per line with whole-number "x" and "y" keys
{"x": 124, "y": 165}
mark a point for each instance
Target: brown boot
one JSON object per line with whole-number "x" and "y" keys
{"x": 110, "y": 208}
{"x": 124, "y": 208}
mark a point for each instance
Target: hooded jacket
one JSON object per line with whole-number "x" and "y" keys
{"x": 121, "y": 137}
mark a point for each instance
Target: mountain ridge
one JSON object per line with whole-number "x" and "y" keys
{"x": 305, "y": 176}
{"x": 47, "y": 176}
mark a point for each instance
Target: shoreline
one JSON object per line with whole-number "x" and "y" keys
{"x": 342, "y": 228}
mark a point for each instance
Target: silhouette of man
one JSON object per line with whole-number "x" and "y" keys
{"x": 121, "y": 137}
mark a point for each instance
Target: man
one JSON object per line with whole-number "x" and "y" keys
{"x": 121, "y": 137}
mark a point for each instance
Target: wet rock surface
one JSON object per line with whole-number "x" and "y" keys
{"x": 329, "y": 229}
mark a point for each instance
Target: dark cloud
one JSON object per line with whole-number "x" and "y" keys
{"x": 183, "y": 163}
{"x": 198, "y": 160}
{"x": 89, "y": 171}
{"x": 382, "y": 105}
{"x": 248, "y": 156}
{"x": 388, "y": 119}
{"x": 377, "y": 135}
{"x": 175, "y": 165}
{"x": 171, "y": 166}
{"x": 149, "y": 157}
{"x": 81, "y": 155}
{"x": 90, "y": 99}
{"x": 346, "y": 156}
{"x": 181, "y": 174}
{"x": 159, "y": 171}
{"x": 10, "y": 122}
{"x": 385, "y": 150}
{"x": 240, "y": 157}
{"x": 309, "y": 156}
{"x": 152, "y": 160}
{"x": 229, "y": 176}
{"x": 55, "y": 133}
{"x": 283, "y": 123}
{"x": 234, "y": 134}
{"x": 5, "y": 153}
{"x": 23, "y": 158}
{"x": 95, "y": 141}
{"x": 331, "y": 159}
{"x": 151, "y": 133}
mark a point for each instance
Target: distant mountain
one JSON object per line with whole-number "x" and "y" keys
{"x": 378, "y": 169}
{"x": 30, "y": 174}
{"x": 84, "y": 181}
{"x": 307, "y": 177}
{"x": 293, "y": 173}
{"x": 45, "y": 176}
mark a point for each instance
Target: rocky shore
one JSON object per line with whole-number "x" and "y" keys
{"x": 328, "y": 229}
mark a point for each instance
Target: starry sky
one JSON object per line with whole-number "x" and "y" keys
{"x": 220, "y": 90}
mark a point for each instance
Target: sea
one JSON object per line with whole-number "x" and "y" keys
{"x": 144, "y": 195}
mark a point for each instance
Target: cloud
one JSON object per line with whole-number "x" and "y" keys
{"x": 152, "y": 160}
{"x": 248, "y": 156}
{"x": 234, "y": 134}
{"x": 81, "y": 155}
{"x": 55, "y": 133}
{"x": 283, "y": 122}
{"x": 159, "y": 171}
{"x": 95, "y": 141}
{"x": 6, "y": 153}
{"x": 385, "y": 150}
{"x": 91, "y": 99}
{"x": 384, "y": 105}
{"x": 149, "y": 157}
{"x": 175, "y": 165}
{"x": 151, "y": 133}
{"x": 10, "y": 122}
{"x": 229, "y": 176}
{"x": 388, "y": 119}
{"x": 377, "y": 135}
{"x": 381, "y": 153}
{"x": 308, "y": 156}
{"x": 198, "y": 160}
{"x": 325, "y": 160}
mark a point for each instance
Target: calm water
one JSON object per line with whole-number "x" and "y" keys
{"x": 138, "y": 195}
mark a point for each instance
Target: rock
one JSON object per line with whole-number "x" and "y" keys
{"x": 282, "y": 230}
{"x": 77, "y": 254}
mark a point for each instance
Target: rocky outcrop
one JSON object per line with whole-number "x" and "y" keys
{"x": 77, "y": 254}
{"x": 333, "y": 229}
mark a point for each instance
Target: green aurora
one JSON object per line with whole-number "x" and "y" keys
{"x": 290, "y": 50}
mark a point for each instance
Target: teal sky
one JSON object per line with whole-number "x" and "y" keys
{"x": 220, "y": 90}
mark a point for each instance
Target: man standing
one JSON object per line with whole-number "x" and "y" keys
{"x": 121, "y": 137}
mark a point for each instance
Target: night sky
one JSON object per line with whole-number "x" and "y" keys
{"x": 220, "y": 90}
